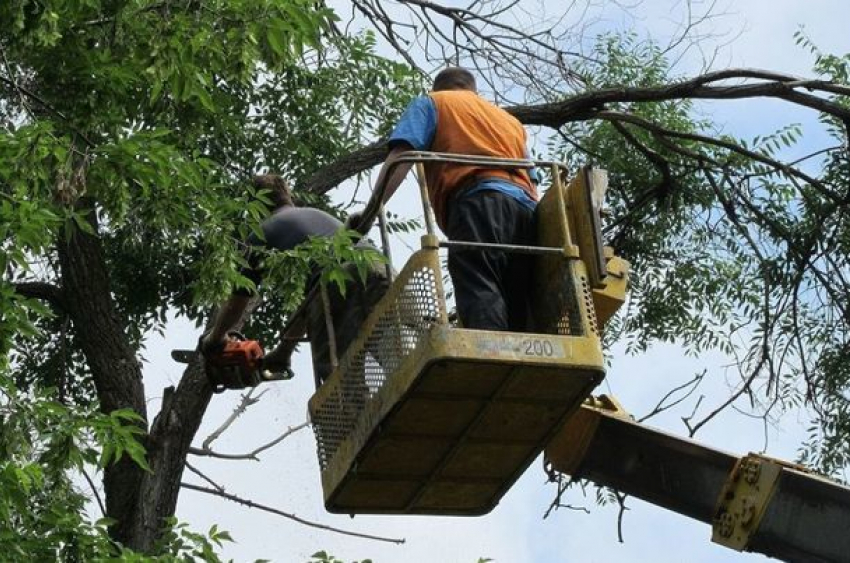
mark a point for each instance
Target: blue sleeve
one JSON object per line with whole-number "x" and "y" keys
{"x": 418, "y": 124}
{"x": 533, "y": 174}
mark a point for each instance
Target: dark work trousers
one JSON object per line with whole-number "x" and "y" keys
{"x": 347, "y": 313}
{"x": 492, "y": 288}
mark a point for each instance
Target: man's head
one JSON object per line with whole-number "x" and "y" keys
{"x": 278, "y": 189}
{"x": 454, "y": 78}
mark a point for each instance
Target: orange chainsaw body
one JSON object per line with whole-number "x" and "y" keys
{"x": 236, "y": 366}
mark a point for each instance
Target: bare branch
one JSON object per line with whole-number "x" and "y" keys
{"x": 564, "y": 483}
{"x": 198, "y": 472}
{"x": 253, "y": 454}
{"x": 621, "y": 501}
{"x": 240, "y": 409}
{"x": 264, "y": 508}
{"x": 662, "y": 405}
{"x": 94, "y": 491}
{"x": 588, "y": 104}
{"x": 790, "y": 170}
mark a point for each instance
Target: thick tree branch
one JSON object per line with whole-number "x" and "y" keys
{"x": 45, "y": 291}
{"x": 586, "y": 105}
{"x": 591, "y": 105}
{"x": 171, "y": 435}
{"x": 360, "y": 160}
{"x": 112, "y": 360}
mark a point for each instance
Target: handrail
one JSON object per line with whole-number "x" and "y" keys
{"x": 372, "y": 208}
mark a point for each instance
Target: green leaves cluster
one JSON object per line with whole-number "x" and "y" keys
{"x": 140, "y": 123}
{"x": 729, "y": 253}
{"x": 335, "y": 257}
{"x": 44, "y": 447}
{"x": 154, "y": 115}
{"x": 47, "y": 453}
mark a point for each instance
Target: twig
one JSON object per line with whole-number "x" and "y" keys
{"x": 252, "y": 455}
{"x": 661, "y": 407}
{"x": 243, "y": 405}
{"x": 621, "y": 500}
{"x": 198, "y": 472}
{"x": 655, "y": 128}
{"x": 264, "y": 508}
{"x": 692, "y": 430}
{"x": 42, "y": 102}
{"x": 564, "y": 483}
{"x": 94, "y": 491}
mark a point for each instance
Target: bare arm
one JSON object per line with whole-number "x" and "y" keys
{"x": 226, "y": 319}
{"x": 393, "y": 179}
{"x": 281, "y": 357}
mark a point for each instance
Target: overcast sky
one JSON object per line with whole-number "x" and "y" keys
{"x": 288, "y": 476}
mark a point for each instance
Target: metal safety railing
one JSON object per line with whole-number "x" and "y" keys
{"x": 374, "y": 209}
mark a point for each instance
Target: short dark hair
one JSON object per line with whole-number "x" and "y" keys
{"x": 278, "y": 189}
{"x": 454, "y": 78}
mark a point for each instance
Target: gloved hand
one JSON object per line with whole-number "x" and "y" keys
{"x": 276, "y": 364}
{"x": 208, "y": 346}
{"x": 355, "y": 222}
{"x": 279, "y": 359}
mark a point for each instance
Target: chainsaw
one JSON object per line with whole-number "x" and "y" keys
{"x": 237, "y": 365}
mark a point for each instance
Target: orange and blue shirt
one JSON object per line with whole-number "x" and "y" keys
{"x": 461, "y": 122}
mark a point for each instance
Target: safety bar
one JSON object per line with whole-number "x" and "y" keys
{"x": 514, "y": 248}
{"x": 375, "y": 203}
{"x": 373, "y": 206}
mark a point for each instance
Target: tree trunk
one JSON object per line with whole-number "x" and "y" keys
{"x": 170, "y": 437}
{"x": 116, "y": 371}
{"x": 139, "y": 501}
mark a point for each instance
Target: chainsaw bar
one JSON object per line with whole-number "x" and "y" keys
{"x": 188, "y": 356}
{"x": 184, "y": 356}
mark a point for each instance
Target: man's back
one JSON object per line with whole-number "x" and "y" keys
{"x": 469, "y": 124}
{"x": 290, "y": 226}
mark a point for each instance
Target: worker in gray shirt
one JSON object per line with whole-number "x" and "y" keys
{"x": 288, "y": 227}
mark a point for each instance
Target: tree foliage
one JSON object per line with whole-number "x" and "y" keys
{"x": 129, "y": 131}
{"x": 732, "y": 251}
{"x": 130, "y": 128}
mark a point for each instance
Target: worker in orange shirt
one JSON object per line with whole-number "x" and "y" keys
{"x": 474, "y": 203}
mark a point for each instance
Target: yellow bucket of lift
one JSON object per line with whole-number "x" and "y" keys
{"x": 422, "y": 417}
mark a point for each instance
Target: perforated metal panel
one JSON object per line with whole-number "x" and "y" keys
{"x": 562, "y": 299}
{"x": 413, "y": 304}
{"x": 424, "y": 418}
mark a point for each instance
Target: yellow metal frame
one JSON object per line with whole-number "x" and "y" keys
{"x": 445, "y": 343}
{"x": 564, "y": 352}
{"x": 744, "y": 499}
{"x": 568, "y": 447}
